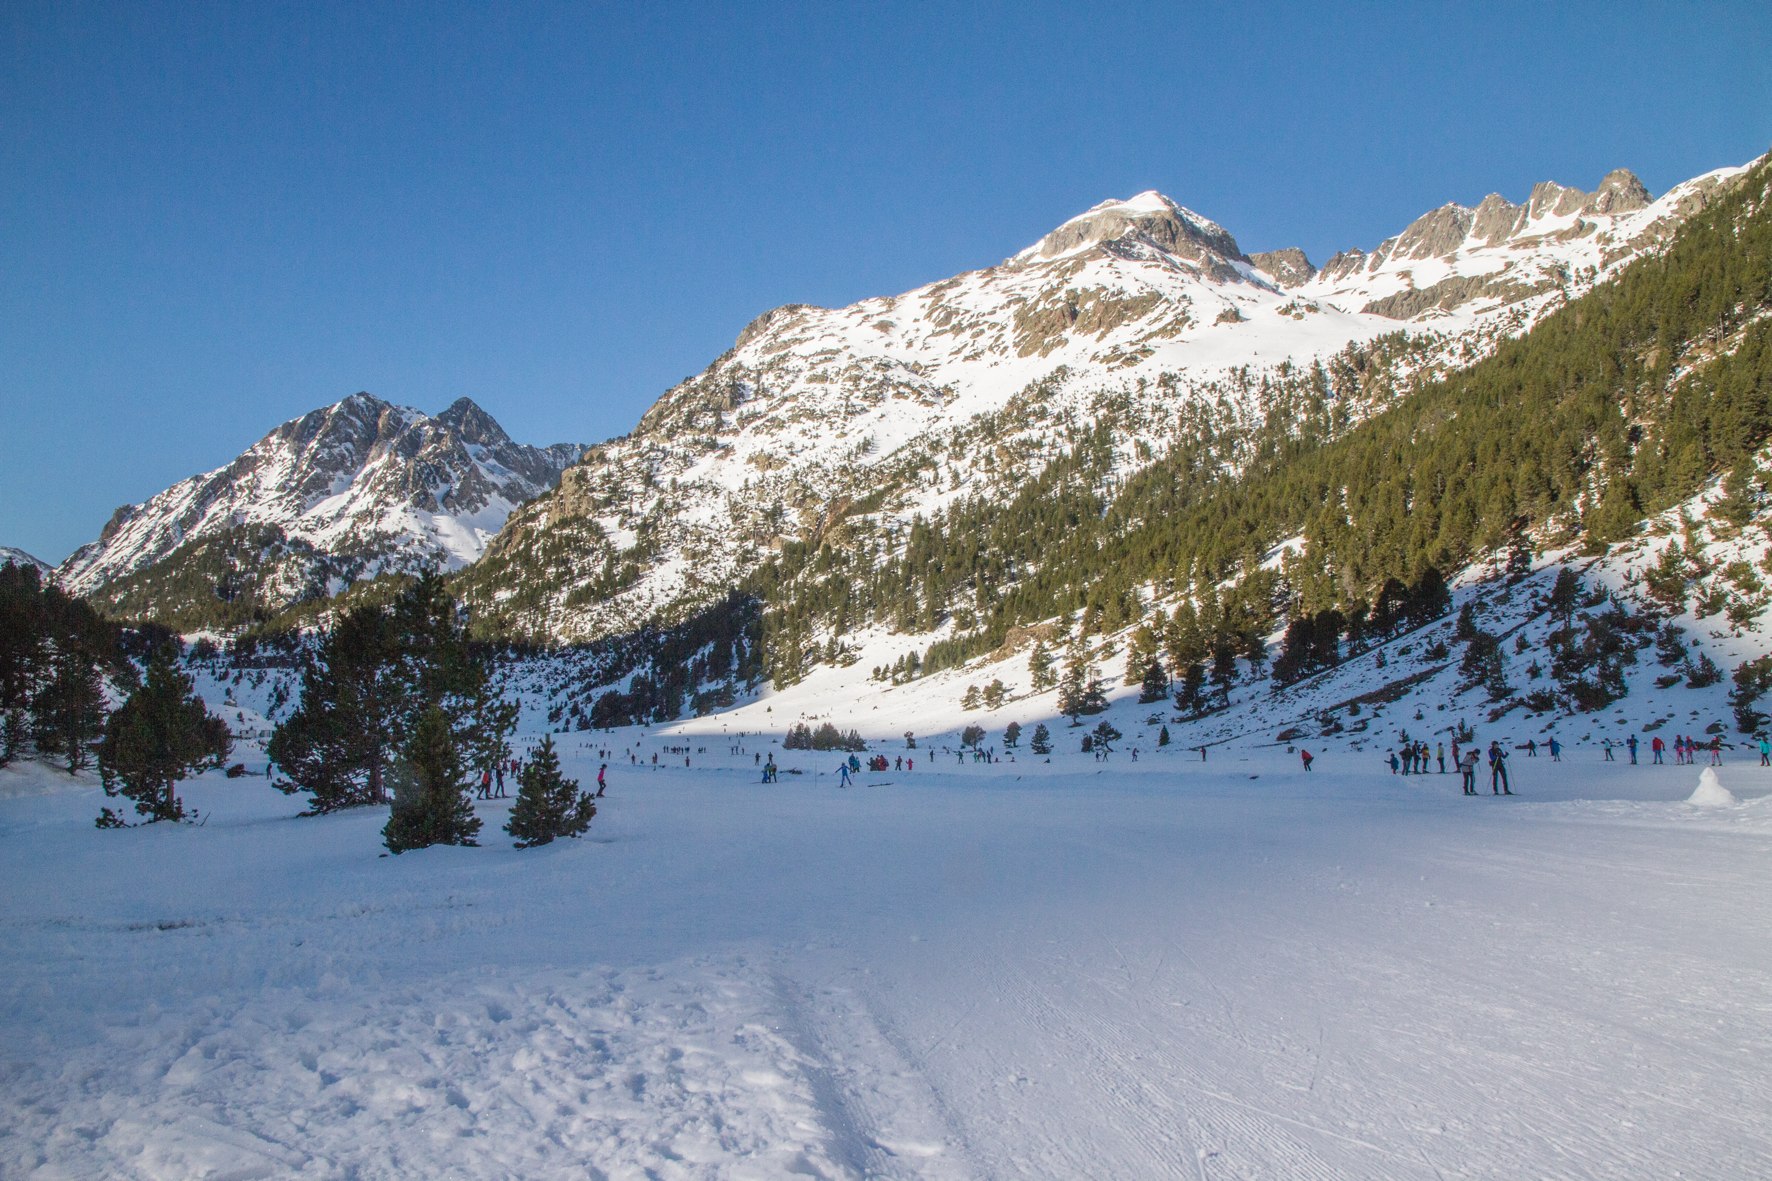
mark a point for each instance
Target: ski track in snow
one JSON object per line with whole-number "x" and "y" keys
{"x": 978, "y": 972}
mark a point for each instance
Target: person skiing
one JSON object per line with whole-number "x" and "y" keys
{"x": 1469, "y": 769}
{"x": 1393, "y": 762}
{"x": 1498, "y": 771}
{"x": 1531, "y": 748}
{"x": 485, "y": 784}
{"x": 1307, "y": 758}
{"x": 1440, "y": 755}
{"x": 1631, "y": 742}
{"x": 602, "y": 780}
{"x": 1556, "y": 749}
{"x": 1656, "y": 746}
{"x": 1716, "y": 750}
{"x": 1765, "y": 751}
{"x": 843, "y": 774}
{"x": 1606, "y": 745}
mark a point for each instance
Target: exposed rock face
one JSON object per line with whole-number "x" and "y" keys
{"x": 771, "y": 318}
{"x": 381, "y": 483}
{"x": 1619, "y": 192}
{"x": 1438, "y": 232}
{"x": 1497, "y": 219}
{"x": 1288, "y": 267}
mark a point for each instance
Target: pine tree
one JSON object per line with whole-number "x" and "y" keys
{"x": 1011, "y": 735}
{"x": 548, "y": 805}
{"x": 1040, "y": 667}
{"x": 1155, "y": 685}
{"x": 1163, "y": 736}
{"x": 1105, "y": 735}
{"x": 160, "y": 735}
{"x": 1190, "y": 699}
{"x": 1041, "y": 742}
{"x": 23, "y": 651}
{"x": 70, "y": 708}
{"x": 431, "y": 802}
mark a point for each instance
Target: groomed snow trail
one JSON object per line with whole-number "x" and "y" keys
{"x": 1033, "y": 971}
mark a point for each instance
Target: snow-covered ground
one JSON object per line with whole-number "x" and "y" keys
{"x": 1022, "y": 970}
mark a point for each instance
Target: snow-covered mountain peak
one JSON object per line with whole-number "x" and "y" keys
{"x": 341, "y": 492}
{"x": 10, "y": 556}
{"x": 1148, "y": 219}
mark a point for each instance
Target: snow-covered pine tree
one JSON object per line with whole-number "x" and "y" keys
{"x": 431, "y": 804}
{"x": 160, "y": 735}
{"x": 548, "y": 804}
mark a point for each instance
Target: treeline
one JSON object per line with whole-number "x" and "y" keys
{"x": 55, "y": 656}
{"x": 61, "y": 664}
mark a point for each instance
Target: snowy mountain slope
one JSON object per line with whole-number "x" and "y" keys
{"x": 1140, "y": 316}
{"x": 18, "y": 557}
{"x": 342, "y": 492}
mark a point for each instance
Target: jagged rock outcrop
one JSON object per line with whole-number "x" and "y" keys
{"x": 1288, "y": 267}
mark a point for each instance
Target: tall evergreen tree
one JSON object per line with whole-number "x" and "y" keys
{"x": 161, "y": 734}
{"x": 431, "y": 802}
{"x": 1155, "y": 684}
{"x": 548, "y": 805}
{"x": 1041, "y": 742}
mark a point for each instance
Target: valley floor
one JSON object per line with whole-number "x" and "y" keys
{"x": 1069, "y": 970}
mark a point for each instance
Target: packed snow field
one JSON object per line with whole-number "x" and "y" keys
{"x": 1229, "y": 969}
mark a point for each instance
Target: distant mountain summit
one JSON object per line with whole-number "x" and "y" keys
{"x": 18, "y": 557}
{"x": 341, "y": 493}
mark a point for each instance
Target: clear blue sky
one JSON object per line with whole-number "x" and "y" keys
{"x": 214, "y": 217}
